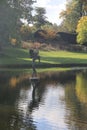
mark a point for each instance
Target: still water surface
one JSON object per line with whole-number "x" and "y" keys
{"x": 52, "y": 101}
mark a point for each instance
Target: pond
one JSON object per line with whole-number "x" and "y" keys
{"x": 51, "y": 100}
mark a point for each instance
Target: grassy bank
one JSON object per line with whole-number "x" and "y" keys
{"x": 12, "y": 56}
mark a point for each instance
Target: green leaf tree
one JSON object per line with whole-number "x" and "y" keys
{"x": 11, "y": 12}
{"x": 40, "y": 17}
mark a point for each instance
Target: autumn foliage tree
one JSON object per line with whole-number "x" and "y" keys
{"x": 82, "y": 30}
{"x": 27, "y": 32}
{"x": 75, "y": 9}
{"x": 50, "y": 31}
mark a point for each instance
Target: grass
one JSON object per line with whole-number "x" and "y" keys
{"x": 30, "y": 70}
{"x": 62, "y": 57}
{"x": 14, "y": 56}
{"x": 21, "y": 56}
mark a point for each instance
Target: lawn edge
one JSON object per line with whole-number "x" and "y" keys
{"x": 44, "y": 65}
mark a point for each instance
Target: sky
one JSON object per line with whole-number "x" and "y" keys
{"x": 53, "y": 9}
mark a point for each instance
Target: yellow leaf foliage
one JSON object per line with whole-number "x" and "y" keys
{"x": 82, "y": 30}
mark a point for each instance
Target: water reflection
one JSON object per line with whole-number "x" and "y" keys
{"x": 75, "y": 98}
{"x": 34, "y": 80}
{"x": 81, "y": 86}
{"x": 43, "y": 101}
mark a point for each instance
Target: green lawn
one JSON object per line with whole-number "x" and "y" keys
{"x": 21, "y": 56}
{"x": 63, "y": 57}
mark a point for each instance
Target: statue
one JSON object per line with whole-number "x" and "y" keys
{"x": 34, "y": 54}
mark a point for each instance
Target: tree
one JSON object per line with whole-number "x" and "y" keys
{"x": 6, "y": 22}
{"x": 24, "y": 8}
{"x": 50, "y": 30}
{"x": 40, "y": 18}
{"x": 82, "y": 30}
{"x": 73, "y": 12}
{"x": 27, "y": 32}
{"x": 84, "y": 7}
{"x": 11, "y": 11}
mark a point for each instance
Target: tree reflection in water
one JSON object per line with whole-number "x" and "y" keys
{"x": 26, "y": 99}
{"x": 33, "y": 96}
{"x": 76, "y": 102}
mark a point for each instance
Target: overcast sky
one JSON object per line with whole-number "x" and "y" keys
{"x": 53, "y": 8}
